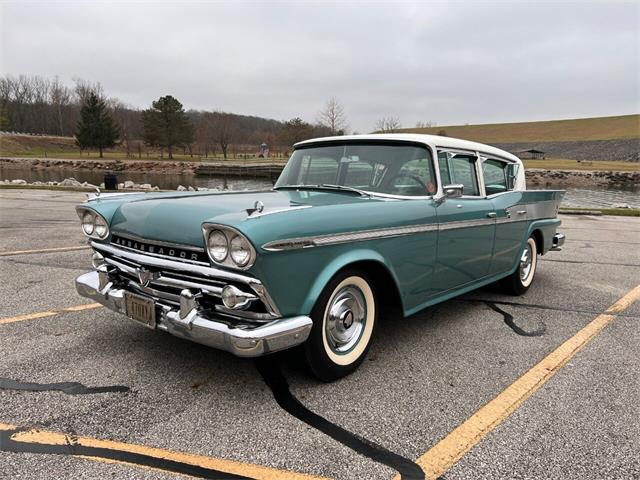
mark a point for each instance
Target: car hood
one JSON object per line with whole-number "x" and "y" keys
{"x": 178, "y": 218}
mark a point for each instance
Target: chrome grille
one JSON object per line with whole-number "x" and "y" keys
{"x": 167, "y": 282}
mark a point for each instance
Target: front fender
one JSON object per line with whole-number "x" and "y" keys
{"x": 343, "y": 260}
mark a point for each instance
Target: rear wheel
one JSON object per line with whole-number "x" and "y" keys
{"x": 344, "y": 319}
{"x": 519, "y": 281}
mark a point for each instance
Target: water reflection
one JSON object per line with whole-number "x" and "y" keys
{"x": 575, "y": 197}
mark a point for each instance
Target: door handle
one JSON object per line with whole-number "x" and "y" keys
{"x": 492, "y": 214}
{"x": 521, "y": 212}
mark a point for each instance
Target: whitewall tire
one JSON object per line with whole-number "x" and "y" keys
{"x": 519, "y": 281}
{"x": 344, "y": 320}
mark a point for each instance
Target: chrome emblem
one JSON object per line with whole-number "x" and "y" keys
{"x": 258, "y": 206}
{"x": 145, "y": 276}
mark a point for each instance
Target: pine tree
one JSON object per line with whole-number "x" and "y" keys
{"x": 96, "y": 128}
{"x": 166, "y": 125}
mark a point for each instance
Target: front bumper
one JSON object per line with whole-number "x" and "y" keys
{"x": 558, "y": 241}
{"x": 251, "y": 341}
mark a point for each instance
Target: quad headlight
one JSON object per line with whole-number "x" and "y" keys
{"x": 218, "y": 246}
{"x": 228, "y": 247}
{"x": 240, "y": 251}
{"x": 93, "y": 224}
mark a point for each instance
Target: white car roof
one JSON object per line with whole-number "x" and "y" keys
{"x": 432, "y": 140}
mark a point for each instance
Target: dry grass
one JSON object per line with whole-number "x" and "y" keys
{"x": 65, "y": 148}
{"x": 600, "y": 128}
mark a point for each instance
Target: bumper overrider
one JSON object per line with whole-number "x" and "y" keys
{"x": 184, "y": 312}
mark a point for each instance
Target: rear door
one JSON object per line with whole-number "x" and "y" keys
{"x": 511, "y": 213}
{"x": 466, "y": 224}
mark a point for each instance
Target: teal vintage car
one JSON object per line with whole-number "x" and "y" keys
{"x": 356, "y": 228}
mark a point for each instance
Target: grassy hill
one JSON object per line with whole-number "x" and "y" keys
{"x": 580, "y": 129}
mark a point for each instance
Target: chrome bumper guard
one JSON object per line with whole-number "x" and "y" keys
{"x": 558, "y": 241}
{"x": 251, "y": 341}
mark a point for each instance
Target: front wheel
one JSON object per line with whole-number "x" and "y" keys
{"x": 519, "y": 281}
{"x": 344, "y": 318}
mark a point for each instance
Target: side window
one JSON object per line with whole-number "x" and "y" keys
{"x": 417, "y": 175}
{"x": 456, "y": 168}
{"x": 494, "y": 173}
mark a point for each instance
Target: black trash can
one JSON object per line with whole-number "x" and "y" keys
{"x": 110, "y": 181}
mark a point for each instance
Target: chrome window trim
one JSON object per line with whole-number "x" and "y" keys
{"x": 479, "y": 180}
{"x": 427, "y": 146}
{"x": 475, "y": 152}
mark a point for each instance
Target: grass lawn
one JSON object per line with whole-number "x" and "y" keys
{"x": 601, "y": 128}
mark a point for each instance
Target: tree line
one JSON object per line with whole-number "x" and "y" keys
{"x": 37, "y": 105}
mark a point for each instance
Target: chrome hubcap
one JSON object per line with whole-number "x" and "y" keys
{"x": 346, "y": 317}
{"x": 526, "y": 262}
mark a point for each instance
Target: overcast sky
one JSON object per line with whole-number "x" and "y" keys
{"x": 446, "y": 62}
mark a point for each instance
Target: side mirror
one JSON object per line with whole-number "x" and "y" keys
{"x": 451, "y": 191}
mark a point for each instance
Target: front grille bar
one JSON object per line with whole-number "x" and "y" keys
{"x": 182, "y": 275}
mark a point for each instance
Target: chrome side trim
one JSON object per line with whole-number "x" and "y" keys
{"x": 337, "y": 238}
{"x": 532, "y": 211}
{"x": 480, "y": 222}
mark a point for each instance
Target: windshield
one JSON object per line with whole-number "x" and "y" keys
{"x": 400, "y": 169}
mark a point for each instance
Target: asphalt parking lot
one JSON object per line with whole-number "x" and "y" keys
{"x": 483, "y": 386}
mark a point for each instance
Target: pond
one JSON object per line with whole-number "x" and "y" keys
{"x": 575, "y": 197}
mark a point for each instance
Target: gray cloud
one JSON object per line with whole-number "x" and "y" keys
{"x": 455, "y": 62}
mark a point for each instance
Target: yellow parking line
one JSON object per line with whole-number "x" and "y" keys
{"x": 39, "y": 437}
{"x": 43, "y": 250}
{"x": 49, "y": 313}
{"x": 450, "y": 449}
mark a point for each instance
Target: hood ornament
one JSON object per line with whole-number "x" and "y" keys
{"x": 258, "y": 207}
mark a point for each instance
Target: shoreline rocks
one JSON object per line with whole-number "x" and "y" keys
{"x": 581, "y": 178}
{"x": 127, "y": 185}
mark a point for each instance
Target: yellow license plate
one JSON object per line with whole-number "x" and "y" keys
{"x": 140, "y": 309}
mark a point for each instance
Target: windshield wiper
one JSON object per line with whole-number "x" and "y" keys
{"x": 324, "y": 186}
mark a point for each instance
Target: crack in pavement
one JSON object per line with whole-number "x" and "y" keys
{"x": 509, "y": 320}
{"x": 271, "y": 371}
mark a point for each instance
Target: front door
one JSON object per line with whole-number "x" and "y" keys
{"x": 466, "y": 226}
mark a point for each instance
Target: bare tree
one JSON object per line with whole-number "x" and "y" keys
{"x": 427, "y": 124}
{"x": 83, "y": 90}
{"x": 333, "y": 117}
{"x": 224, "y": 130}
{"x": 60, "y": 98}
{"x": 388, "y": 124}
